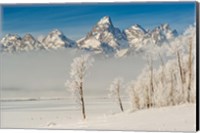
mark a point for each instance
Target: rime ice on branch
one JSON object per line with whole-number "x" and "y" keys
{"x": 79, "y": 67}
{"x": 114, "y": 90}
{"x": 173, "y": 82}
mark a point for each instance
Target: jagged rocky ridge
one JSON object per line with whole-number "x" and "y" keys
{"x": 103, "y": 38}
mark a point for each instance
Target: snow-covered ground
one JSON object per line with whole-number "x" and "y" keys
{"x": 33, "y": 95}
{"x": 102, "y": 115}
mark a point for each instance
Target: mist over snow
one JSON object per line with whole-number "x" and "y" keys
{"x": 154, "y": 88}
{"x": 43, "y": 74}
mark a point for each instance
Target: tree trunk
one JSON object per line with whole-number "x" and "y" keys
{"x": 148, "y": 97}
{"x": 190, "y": 71}
{"x": 172, "y": 90}
{"x": 82, "y": 101}
{"x": 119, "y": 99}
{"x": 151, "y": 82}
{"x": 120, "y": 103}
{"x": 181, "y": 73}
{"x": 163, "y": 69}
{"x": 180, "y": 66}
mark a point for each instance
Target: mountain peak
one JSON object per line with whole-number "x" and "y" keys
{"x": 105, "y": 20}
{"x": 57, "y": 32}
{"x": 28, "y": 36}
{"x": 165, "y": 26}
{"x": 138, "y": 27}
{"x": 56, "y": 39}
{"x": 13, "y": 36}
{"x": 103, "y": 36}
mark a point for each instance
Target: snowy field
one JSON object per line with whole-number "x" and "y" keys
{"x": 33, "y": 95}
{"x": 102, "y": 115}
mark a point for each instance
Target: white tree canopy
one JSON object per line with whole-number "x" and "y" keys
{"x": 79, "y": 67}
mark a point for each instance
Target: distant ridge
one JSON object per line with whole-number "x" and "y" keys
{"x": 104, "y": 37}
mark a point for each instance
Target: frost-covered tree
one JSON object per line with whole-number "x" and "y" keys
{"x": 79, "y": 67}
{"x": 114, "y": 91}
{"x": 140, "y": 90}
{"x": 173, "y": 81}
{"x": 134, "y": 96}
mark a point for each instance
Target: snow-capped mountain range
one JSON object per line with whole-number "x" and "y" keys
{"x": 103, "y": 38}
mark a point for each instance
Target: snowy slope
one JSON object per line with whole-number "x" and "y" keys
{"x": 56, "y": 39}
{"x": 31, "y": 42}
{"x": 163, "y": 33}
{"x": 103, "y": 115}
{"x": 178, "y": 118}
{"x": 105, "y": 35}
{"x": 135, "y": 35}
{"x": 138, "y": 37}
{"x": 14, "y": 43}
